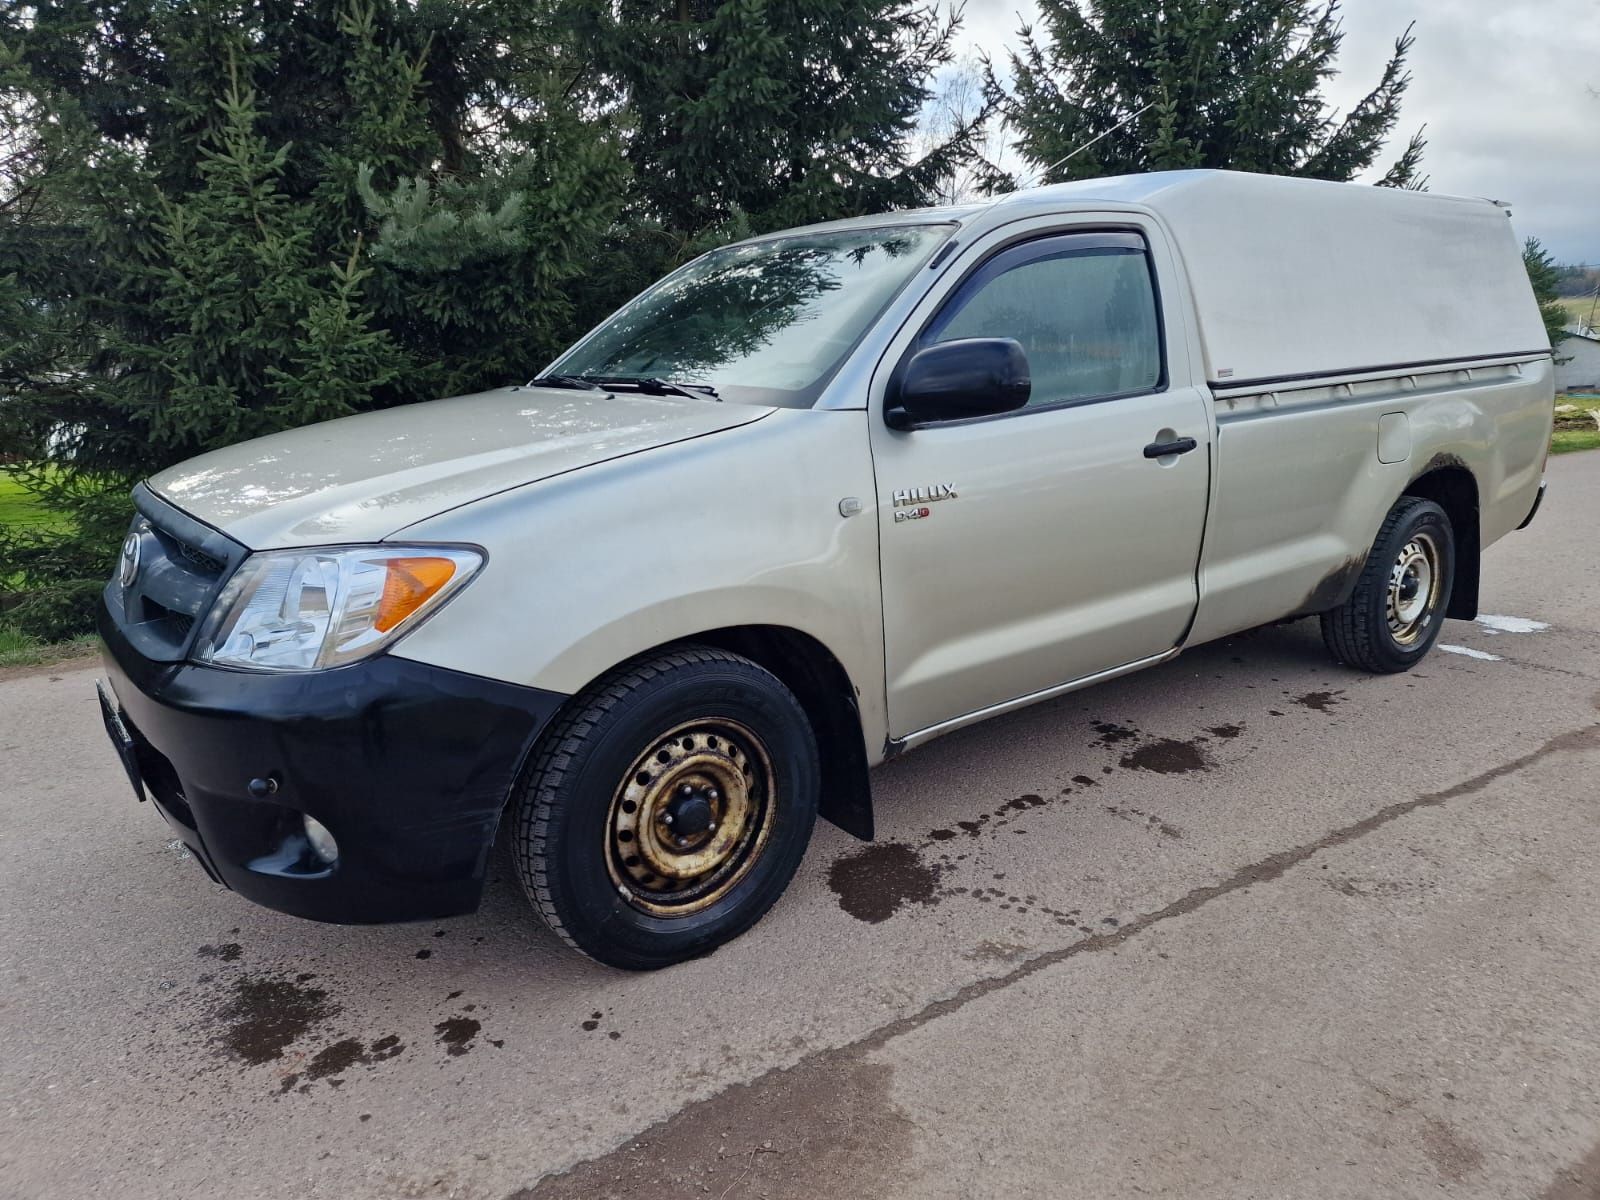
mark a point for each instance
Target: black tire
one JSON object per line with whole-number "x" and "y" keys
{"x": 571, "y": 837}
{"x": 1363, "y": 632}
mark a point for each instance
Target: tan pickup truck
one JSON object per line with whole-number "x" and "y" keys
{"x": 808, "y": 502}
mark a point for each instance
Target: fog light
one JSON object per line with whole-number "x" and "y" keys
{"x": 322, "y": 843}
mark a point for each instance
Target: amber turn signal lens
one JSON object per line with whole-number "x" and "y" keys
{"x": 410, "y": 583}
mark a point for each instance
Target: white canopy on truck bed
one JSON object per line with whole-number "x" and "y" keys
{"x": 1305, "y": 278}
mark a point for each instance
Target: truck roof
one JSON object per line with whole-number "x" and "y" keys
{"x": 1295, "y": 278}
{"x": 1155, "y": 190}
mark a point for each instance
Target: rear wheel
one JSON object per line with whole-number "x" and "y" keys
{"x": 668, "y": 809}
{"x": 1397, "y": 609}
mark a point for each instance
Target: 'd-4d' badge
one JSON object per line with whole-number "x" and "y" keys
{"x": 911, "y": 504}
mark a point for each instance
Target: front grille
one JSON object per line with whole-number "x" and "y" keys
{"x": 182, "y": 565}
{"x": 176, "y": 624}
{"x": 206, "y": 563}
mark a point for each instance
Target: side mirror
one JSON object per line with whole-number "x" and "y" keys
{"x": 971, "y": 377}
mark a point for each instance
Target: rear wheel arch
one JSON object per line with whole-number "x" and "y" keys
{"x": 1451, "y": 485}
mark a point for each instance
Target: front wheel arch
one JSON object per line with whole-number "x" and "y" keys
{"x": 825, "y": 691}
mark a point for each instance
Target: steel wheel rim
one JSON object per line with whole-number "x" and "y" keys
{"x": 1415, "y": 583}
{"x": 662, "y": 857}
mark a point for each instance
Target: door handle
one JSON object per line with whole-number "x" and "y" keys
{"x": 1176, "y": 446}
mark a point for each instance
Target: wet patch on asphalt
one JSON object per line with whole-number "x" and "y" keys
{"x": 455, "y": 1034}
{"x": 259, "y": 1017}
{"x": 335, "y": 1060}
{"x": 878, "y": 880}
{"x": 593, "y": 1024}
{"x": 1168, "y": 756}
{"x": 1021, "y": 905}
{"x": 262, "y": 1015}
{"x": 1111, "y": 733}
{"x": 1320, "y": 701}
{"x": 874, "y": 883}
{"x": 332, "y": 1061}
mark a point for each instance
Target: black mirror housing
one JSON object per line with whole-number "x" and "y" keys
{"x": 949, "y": 381}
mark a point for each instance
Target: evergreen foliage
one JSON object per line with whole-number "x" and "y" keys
{"x": 1228, "y": 83}
{"x": 1545, "y": 275}
{"x": 744, "y": 116}
{"x": 225, "y": 217}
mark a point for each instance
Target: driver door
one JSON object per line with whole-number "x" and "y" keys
{"x": 1024, "y": 551}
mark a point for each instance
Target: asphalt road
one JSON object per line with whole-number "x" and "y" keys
{"x": 1244, "y": 925}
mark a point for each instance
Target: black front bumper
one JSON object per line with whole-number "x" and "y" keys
{"x": 408, "y": 765}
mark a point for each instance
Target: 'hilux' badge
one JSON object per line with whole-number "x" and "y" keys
{"x": 906, "y": 497}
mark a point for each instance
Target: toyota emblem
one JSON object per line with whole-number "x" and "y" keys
{"x": 130, "y": 559}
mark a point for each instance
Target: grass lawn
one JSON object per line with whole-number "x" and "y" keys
{"x": 19, "y": 507}
{"x": 20, "y": 650}
{"x": 1581, "y": 308}
{"x": 1564, "y": 440}
{"x": 1576, "y": 431}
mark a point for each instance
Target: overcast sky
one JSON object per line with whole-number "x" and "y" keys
{"x": 1503, "y": 86}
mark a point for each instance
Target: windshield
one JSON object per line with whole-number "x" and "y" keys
{"x": 765, "y": 322}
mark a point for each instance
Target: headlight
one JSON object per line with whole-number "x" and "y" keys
{"x": 303, "y": 610}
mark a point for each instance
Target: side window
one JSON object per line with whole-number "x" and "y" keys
{"x": 1083, "y": 307}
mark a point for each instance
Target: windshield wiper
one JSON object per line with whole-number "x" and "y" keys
{"x": 652, "y": 386}
{"x": 566, "y": 381}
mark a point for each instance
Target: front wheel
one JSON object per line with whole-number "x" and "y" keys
{"x": 668, "y": 808}
{"x": 1397, "y": 609}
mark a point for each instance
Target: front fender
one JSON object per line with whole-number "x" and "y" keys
{"x": 739, "y": 528}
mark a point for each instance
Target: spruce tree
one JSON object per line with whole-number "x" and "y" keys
{"x": 222, "y": 218}
{"x": 1234, "y": 84}
{"x": 1544, "y": 275}
{"x": 744, "y": 116}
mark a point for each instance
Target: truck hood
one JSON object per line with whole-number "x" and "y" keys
{"x": 360, "y": 479}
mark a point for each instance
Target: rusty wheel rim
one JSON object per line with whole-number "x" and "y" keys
{"x": 690, "y": 817}
{"x": 1415, "y": 584}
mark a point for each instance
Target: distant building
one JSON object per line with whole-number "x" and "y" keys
{"x": 1581, "y": 349}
